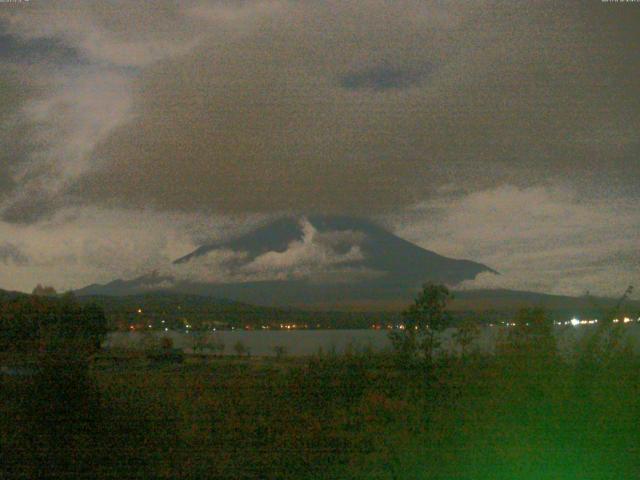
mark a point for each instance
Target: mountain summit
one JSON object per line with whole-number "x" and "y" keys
{"x": 312, "y": 260}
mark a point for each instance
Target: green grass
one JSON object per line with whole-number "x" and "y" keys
{"x": 358, "y": 416}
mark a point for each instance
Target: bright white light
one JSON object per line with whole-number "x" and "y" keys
{"x": 166, "y": 329}
{"x": 575, "y": 322}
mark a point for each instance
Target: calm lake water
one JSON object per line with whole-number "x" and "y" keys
{"x": 308, "y": 342}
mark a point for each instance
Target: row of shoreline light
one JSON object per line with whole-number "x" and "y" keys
{"x": 574, "y": 322}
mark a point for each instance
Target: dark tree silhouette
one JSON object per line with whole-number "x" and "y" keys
{"x": 280, "y": 351}
{"x": 34, "y": 322}
{"x": 422, "y": 321}
{"x": 532, "y": 334}
{"x": 465, "y": 334}
{"x": 240, "y": 348}
{"x": 45, "y": 291}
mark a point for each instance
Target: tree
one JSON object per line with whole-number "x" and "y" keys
{"x": 166, "y": 343}
{"x": 94, "y": 323}
{"x": 71, "y": 325}
{"x": 58, "y": 324}
{"x": 280, "y": 351}
{"x": 466, "y": 333}
{"x": 201, "y": 344}
{"x": 532, "y": 334}
{"x": 240, "y": 348}
{"x": 44, "y": 291}
{"x": 606, "y": 340}
{"x": 422, "y": 321}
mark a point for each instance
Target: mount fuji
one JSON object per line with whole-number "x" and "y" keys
{"x": 315, "y": 260}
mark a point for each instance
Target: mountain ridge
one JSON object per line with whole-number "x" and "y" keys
{"x": 480, "y": 301}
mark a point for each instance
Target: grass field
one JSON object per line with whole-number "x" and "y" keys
{"x": 354, "y": 416}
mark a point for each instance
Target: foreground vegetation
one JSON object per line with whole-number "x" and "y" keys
{"x": 357, "y": 416}
{"x": 525, "y": 412}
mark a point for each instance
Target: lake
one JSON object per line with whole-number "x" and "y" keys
{"x": 308, "y": 342}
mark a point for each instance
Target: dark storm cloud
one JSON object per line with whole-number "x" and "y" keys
{"x": 15, "y": 144}
{"x": 520, "y": 96}
{"x": 16, "y": 50}
{"x": 383, "y": 77}
{"x": 10, "y": 253}
{"x": 274, "y": 106}
{"x": 29, "y": 208}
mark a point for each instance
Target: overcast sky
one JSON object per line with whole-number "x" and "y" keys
{"x": 503, "y": 132}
